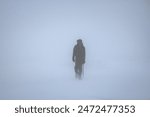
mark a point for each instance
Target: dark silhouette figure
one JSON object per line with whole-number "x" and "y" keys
{"x": 79, "y": 58}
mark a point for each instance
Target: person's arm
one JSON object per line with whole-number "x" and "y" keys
{"x": 84, "y": 55}
{"x": 73, "y": 55}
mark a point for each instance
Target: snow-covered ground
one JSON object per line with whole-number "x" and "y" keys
{"x": 37, "y": 39}
{"x": 115, "y": 81}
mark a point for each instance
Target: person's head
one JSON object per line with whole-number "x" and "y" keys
{"x": 79, "y": 41}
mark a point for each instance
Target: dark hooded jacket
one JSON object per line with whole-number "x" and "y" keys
{"x": 79, "y": 53}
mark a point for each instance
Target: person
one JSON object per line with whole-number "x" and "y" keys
{"x": 78, "y": 58}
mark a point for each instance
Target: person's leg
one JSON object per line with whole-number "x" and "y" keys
{"x": 76, "y": 70}
{"x": 80, "y": 71}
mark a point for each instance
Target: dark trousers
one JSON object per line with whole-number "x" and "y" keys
{"x": 78, "y": 70}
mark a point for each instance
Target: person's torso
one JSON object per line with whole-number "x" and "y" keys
{"x": 79, "y": 51}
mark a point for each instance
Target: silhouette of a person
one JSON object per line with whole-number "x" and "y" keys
{"x": 79, "y": 58}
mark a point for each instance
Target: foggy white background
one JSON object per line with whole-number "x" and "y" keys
{"x": 37, "y": 39}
